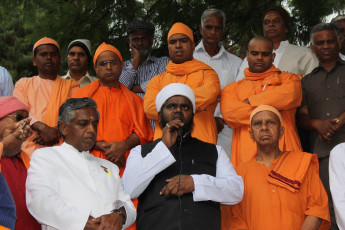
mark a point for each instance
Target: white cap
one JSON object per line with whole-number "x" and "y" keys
{"x": 174, "y": 89}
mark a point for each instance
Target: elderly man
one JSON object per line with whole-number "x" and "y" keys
{"x": 323, "y": 107}
{"x": 13, "y": 110}
{"x": 289, "y": 57}
{"x": 211, "y": 51}
{"x": 12, "y": 135}
{"x": 123, "y": 123}
{"x": 339, "y": 22}
{"x": 185, "y": 69}
{"x": 283, "y": 188}
{"x": 142, "y": 67}
{"x": 43, "y": 95}
{"x": 180, "y": 180}
{"x": 78, "y": 60}
{"x": 263, "y": 84}
{"x": 67, "y": 187}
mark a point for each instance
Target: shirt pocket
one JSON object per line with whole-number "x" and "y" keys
{"x": 314, "y": 95}
{"x": 341, "y": 87}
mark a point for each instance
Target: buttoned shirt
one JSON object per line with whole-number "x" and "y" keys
{"x": 150, "y": 68}
{"x": 84, "y": 81}
{"x": 226, "y": 65}
{"x": 324, "y": 95}
{"x": 6, "y": 83}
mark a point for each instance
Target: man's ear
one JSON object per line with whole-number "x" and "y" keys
{"x": 281, "y": 131}
{"x": 63, "y": 128}
{"x": 34, "y": 61}
{"x": 273, "y": 57}
{"x": 251, "y": 134}
{"x": 312, "y": 47}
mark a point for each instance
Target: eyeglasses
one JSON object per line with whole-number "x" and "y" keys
{"x": 104, "y": 63}
{"x": 17, "y": 116}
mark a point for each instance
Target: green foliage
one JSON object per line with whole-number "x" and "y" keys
{"x": 23, "y": 22}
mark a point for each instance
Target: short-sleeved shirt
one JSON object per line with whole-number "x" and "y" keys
{"x": 324, "y": 95}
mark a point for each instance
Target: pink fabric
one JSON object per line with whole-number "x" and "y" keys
{"x": 9, "y": 105}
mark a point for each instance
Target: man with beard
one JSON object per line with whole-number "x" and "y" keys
{"x": 43, "y": 95}
{"x": 323, "y": 106}
{"x": 78, "y": 60}
{"x": 339, "y": 22}
{"x": 289, "y": 57}
{"x": 138, "y": 71}
{"x": 179, "y": 180}
{"x": 67, "y": 187}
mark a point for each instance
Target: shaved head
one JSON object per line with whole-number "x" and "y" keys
{"x": 261, "y": 39}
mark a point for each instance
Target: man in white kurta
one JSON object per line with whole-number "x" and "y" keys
{"x": 337, "y": 182}
{"x": 69, "y": 188}
{"x": 212, "y": 52}
{"x": 203, "y": 179}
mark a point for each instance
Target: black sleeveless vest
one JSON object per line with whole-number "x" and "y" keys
{"x": 157, "y": 212}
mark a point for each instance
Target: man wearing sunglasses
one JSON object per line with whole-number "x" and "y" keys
{"x": 13, "y": 169}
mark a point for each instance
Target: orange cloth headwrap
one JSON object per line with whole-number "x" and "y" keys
{"x": 180, "y": 28}
{"x": 45, "y": 41}
{"x": 105, "y": 47}
{"x": 261, "y": 108}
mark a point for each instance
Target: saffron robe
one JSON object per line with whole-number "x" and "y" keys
{"x": 280, "y": 197}
{"x": 205, "y": 84}
{"x": 275, "y": 88}
{"x": 121, "y": 114}
{"x": 43, "y": 98}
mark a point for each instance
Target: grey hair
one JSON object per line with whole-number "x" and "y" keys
{"x": 323, "y": 27}
{"x": 213, "y": 11}
{"x": 67, "y": 109}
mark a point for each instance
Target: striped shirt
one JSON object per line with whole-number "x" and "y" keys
{"x": 146, "y": 71}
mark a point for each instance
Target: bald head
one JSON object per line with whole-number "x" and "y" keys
{"x": 259, "y": 54}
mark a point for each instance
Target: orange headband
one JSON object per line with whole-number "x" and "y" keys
{"x": 261, "y": 108}
{"x": 105, "y": 47}
{"x": 45, "y": 41}
{"x": 180, "y": 28}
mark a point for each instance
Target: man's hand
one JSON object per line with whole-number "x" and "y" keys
{"x": 136, "y": 57}
{"x": 137, "y": 89}
{"x": 91, "y": 224}
{"x": 326, "y": 128}
{"x": 46, "y": 135}
{"x": 112, "y": 221}
{"x": 170, "y": 132}
{"x": 13, "y": 135}
{"x": 115, "y": 152}
{"x": 246, "y": 101}
{"x": 220, "y": 124}
{"x": 186, "y": 186}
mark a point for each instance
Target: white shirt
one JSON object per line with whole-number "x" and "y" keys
{"x": 64, "y": 187}
{"x": 226, "y": 65}
{"x": 6, "y": 83}
{"x": 226, "y": 187}
{"x": 337, "y": 182}
{"x": 342, "y": 56}
{"x": 279, "y": 53}
{"x": 84, "y": 81}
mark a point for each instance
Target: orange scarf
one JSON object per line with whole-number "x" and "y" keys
{"x": 187, "y": 67}
{"x": 290, "y": 170}
{"x": 260, "y": 76}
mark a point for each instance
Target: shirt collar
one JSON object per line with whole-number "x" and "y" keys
{"x": 337, "y": 63}
{"x": 201, "y": 48}
{"x": 282, "y": 46}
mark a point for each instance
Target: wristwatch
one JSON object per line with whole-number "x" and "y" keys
{"x": 121, "y": 214}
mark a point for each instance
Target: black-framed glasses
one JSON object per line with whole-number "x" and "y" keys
{"x": 17, "y": 116}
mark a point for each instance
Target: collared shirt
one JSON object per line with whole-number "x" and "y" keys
{"x": 342, "y": 56}
{"x": 324, "y": 95}
{"x": 73, "y": 185}
{"x": 150, "y": 68}
{"x": 6, "y": 83}
{"x": 84, "y": 81}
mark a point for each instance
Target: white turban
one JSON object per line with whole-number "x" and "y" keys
{"x": 174, "y": 89}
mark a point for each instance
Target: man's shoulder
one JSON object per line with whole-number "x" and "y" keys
{"x": 295, "y": 48}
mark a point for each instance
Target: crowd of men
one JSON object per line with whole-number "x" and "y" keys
{"x": 196, "y": 140}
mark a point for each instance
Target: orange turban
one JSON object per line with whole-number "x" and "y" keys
{"x": 180, "y": 28}
{"x": 261, "y": 108}
{"x": 105, "y": 47}
{"x": 45, "y": 41}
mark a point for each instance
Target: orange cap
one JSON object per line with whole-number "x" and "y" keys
{"x": 45, "y": 41}
{"x": 105, "y": 47}
{"x": 180, "y": 28}
{"x": 261, "y": 108}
